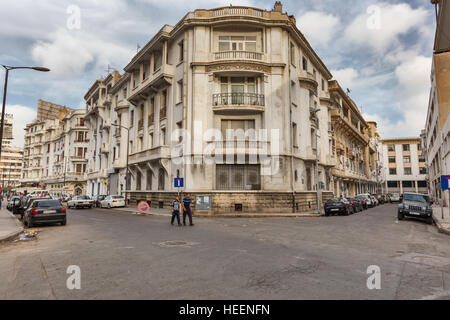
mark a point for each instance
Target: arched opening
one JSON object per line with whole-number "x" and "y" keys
{"x": 149, "y": 179}
{"x": 161, "y": 182}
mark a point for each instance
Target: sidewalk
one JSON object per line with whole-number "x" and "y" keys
{"x": 166, "y": 213}
{"x": 443, "y": 225}
{"x": 10, "y": 226}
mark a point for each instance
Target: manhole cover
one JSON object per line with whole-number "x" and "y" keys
{"x": 170, "y": 244}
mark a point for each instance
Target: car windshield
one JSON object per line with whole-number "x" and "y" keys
{"x": 416, "y": 197}
{"x": 334, "y": 200}
{"x": 117, "y": 197}
{"x": 84, "y": 198}
{"x": 394, "y": 195}
{"x": 49, "y": 203}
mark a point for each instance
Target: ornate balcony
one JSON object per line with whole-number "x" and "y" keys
{"x": 238, "y": 103}
{"x": 238, "y": 55}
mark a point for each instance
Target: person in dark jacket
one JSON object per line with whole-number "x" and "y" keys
{"x": 187, "y": 209}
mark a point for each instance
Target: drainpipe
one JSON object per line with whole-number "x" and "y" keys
{"x": 291, "y": 132}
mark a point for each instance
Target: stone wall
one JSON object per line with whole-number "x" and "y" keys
{"x": 250, "y": 202}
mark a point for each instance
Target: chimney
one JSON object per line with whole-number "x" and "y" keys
{"x": 278, "y": 7}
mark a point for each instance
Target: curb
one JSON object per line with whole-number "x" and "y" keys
{"x": 440, "y": 227}
{"x": 14, "y": 233}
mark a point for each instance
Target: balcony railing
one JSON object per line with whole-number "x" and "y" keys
{"x": 238, "y": 99}
{"x": 238, "y": 55}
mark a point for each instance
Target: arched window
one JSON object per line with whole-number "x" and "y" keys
{"x": 138, "y": 180}
{"x": 161, "y": 179}
{"x": 149, "y": 179}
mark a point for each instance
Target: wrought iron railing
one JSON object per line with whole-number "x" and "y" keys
{"x": 220, "y": 99}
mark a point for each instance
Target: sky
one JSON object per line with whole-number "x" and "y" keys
{"x": 380, "y": 50}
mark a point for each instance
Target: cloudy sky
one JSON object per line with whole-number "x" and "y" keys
{"x": 381, "y": 50}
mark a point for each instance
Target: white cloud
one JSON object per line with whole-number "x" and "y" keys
{"x": 394, "y": 21}
{"x": 22, "y": 115}
{"x": 318, "y": 27}
{"x": 346, "y": 77}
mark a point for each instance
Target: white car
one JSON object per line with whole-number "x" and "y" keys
{"x": 394, "y": 197}
{"x": 80, "y": 202}
{"x": 368, "y": 198}
{"x": 113, "y": 202}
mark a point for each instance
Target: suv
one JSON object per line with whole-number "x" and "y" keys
{"x": 415, "y": 205}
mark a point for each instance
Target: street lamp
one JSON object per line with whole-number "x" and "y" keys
{"x": 7, "y": 68}
{"x": 316, "y": 120}
{"x": 128, "y": 151}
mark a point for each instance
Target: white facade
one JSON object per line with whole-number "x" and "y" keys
{"x": 405, "y": 166}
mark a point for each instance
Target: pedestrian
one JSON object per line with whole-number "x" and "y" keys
{"x": 187, "y": 209}
{"x": 176, "y": 211}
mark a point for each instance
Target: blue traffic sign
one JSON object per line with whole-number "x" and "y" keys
{"x": 445, "y": 182}
{"x": 178, "y": 182}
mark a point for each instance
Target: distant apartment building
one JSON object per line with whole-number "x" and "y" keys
{"x": 55, "y": 152}
{"x": 405, "y": 165}
{"x": 353, "y": 146}
{"x": 11, "y": 158}
{"x": 7, "y": 138}
{"x": 436, "y": 136}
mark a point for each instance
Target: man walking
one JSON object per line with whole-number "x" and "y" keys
{"x": 176, "y": 211}
{"x": 187, "y": 209}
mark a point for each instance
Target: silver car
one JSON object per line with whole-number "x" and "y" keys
{"x": 80, "y": 202}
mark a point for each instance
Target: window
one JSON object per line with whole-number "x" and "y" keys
{"x": 391, "y": 159}
{"x": 180, "y": 91}
{"x": 163, "y": 137}
{"x": 323, "y": 85}
{"x": 292, "y": 52}
{"x": 149, "y": 179}
{"x": 406, "y": 159}
{"x": 294, "y": 133}
{"x": 161, "y": 176}
{"x": 407, "y": 171}
{"x": 238, "y": 177}
{"x": 391, "y": 147}
{"x": 305, "y": 64}
{"x": 419, "y": 146}
{"x": 423, "y": 170}
{"x": 237, "y": 129}
{"x": 406, "y": 147}
{"x": 181, "y": 50}
{"x": 237, "y": 43}
{"x": 131, "y": 118}
{"x": 392, "y": 171}
{"x": 138, "y": 180}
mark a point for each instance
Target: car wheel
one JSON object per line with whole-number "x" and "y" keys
{"x": 109, "y": 206}
{"x": 430, "y": 220}
{"x": 30, "y": 223}
{"x": 64, "y": 222}
{"x": 400, "y": 216}
{"x": 346, "y": 213}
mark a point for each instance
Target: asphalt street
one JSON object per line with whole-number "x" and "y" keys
{"x": 126, "y": 256}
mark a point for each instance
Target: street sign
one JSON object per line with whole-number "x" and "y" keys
{"x": 178, "y": 182}
{"x": 445, "y": 182}
{"x": 143, "y": 207}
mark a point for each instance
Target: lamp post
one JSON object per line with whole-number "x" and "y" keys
{"x": 128, "y": 151}
{"x": 7, "y": 69}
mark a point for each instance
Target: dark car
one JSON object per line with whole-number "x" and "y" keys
{"x": 338, "y": 206}
{"x": 97, "y": 200}
{"x": 363, "y": 200}
{"x": 45, "y": 211}
{"x": 26, "y": 203}
{"x": 356, "y": 204}
{"x": 415, "y": 205}
{"x": 381, "y": 199}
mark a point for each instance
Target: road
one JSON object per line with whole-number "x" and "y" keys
{"x": 125, "y": 256}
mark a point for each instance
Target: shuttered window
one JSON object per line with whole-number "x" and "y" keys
{"x": 238, "y": 177}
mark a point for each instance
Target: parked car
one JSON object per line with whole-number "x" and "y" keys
{"x": 45, "y": 211}
{"x": 113, "y": 202}
{"x": 80, "y": 202}
{"x": 338, "y": 206}
{"x": 415, "y": 205}
{"x": 356, "y": 204}
{"x": 26, "y": 202}
{"x": 380, "y": 198}
{"x": 394, "y": 197}
{"x": 368, "y": 198}
{"x": 98, "y": 200}
{"x": 363, "y": 201}
{"x": 10, "y": 204}
{"x": 374, "y": 200}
